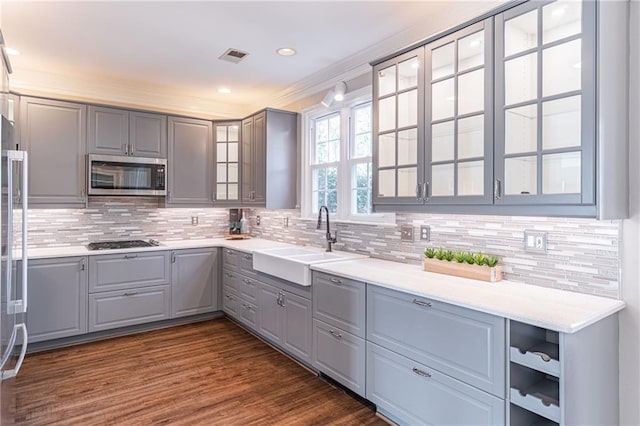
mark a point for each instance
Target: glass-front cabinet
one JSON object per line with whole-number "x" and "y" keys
{"x": 545, "y": 104}
{"x": 227, "y": 152}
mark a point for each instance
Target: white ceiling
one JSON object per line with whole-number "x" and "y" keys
{"x": 172, "y": 47}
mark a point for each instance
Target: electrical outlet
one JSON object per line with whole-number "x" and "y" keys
{"x": 406, "y": 233}
{"x": 194, "y": 220}
{"x": 258, "y": 220}
{"x": 535, "y": 241}
{"x": 425, "y": 232}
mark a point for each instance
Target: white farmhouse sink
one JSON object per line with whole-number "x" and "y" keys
{"x": 292, "y": 263}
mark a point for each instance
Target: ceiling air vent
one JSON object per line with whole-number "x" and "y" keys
{"x": 233, "y": 55}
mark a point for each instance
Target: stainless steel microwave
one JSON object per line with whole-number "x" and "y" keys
{"x": 114, "y": 175}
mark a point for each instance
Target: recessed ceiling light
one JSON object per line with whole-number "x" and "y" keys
{"x": 12, "y": 52}
{"x": 224, "y": 90}
{"x": 286, "y": 51}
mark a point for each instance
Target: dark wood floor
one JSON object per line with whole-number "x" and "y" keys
{"x": 200, "y": 374}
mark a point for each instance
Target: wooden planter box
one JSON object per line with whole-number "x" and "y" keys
{"x": 464, "y": 270}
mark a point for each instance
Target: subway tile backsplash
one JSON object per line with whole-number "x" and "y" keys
{"x": 583, "y": 254}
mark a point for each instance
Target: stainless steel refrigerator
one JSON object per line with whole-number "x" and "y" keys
{"x": 13, "y": 251}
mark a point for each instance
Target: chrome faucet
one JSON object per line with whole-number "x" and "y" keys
{"x": 330, "y": 238}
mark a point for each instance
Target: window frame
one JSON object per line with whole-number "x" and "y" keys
{"x": 344, "y": 164}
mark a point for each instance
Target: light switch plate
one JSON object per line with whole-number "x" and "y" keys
{"x": 406, "y": 233}
{"x": 535, "y": 241}
{"x": 425, "y": 232}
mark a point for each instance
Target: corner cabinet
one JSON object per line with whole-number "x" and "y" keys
{"x": 190, "y": 162}
{"x": 54, "y": 135}
{"x": 520, "y": 111}
{"x": 269, "y": 159}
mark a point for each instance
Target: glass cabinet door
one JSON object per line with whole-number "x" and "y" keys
{"x": 227, "y": 145}
{"x": 459, "y": 120}
{"x": 545, "y": 106}
{"x": 398, "y": 130}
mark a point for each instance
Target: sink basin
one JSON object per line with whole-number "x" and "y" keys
{"x": 293, "y": 263}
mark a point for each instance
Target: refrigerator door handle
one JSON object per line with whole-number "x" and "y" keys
{"x": 17, "y": 306}
{"x": 14, "y": 371}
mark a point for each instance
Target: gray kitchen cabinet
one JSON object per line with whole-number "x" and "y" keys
{"x": 230, "y": 303}
{"x": 411, "y": 393}
{"x": 285, "y": 318}
{"x": 340, "y": 302}
{"x": 231, "y": 280}
{"x": 194, "y": 284}
{"x": 190, "y": 162}
{"x": 227, "y": 160}
{"x": 248, "y": 314}
{"x": 465, "y": 344}
{"x": 115, "y": 131}
{"x": 126, "y": 271}
{"x": 114, "y": 309}
{"x": 57, "y": 295}
{"x": 340, "y": 355}
{"x": 231, "y": 259}
{"x": 269, "y": 160}
{"x": 54, "y": 135}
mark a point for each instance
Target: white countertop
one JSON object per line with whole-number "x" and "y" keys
{"x": 558, "y": 310}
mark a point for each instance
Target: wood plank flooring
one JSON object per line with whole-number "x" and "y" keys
{"x": 207, "y": 373}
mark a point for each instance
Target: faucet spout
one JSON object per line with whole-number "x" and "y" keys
{"x": 331, "y": 238}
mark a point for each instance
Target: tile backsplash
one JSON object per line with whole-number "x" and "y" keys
{"x": 583, "y": 254}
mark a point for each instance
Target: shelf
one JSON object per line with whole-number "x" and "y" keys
{"x": 521, "y": 417}
{"x": 542, "y": 398}
{"x": 541, "y": 356}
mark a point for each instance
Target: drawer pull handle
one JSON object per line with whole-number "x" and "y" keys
{"x": 228, "y": 297}
{"x": 130, "y": 256}
{"x": 230, "y": 252}
{"x": 421, "y": 303}
{"x": 247, "y": 256}
{"x": 131, "y": 294}
{"x": 228, "y": 275}
{"x": 544, "y": 356}
{"x": 420, "y": 372}
{"x": 246, "y": 281}
{"x": 336, "y": 335}
{"x": 336, "y": 280}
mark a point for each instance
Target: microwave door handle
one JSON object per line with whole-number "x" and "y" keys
{"x": 25, "y": 339}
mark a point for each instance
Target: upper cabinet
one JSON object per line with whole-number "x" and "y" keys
{"x": 190, "y": 162}
{"x": 269, "y": 159}
{"x": 115, "y": 131}
{"x": 516, "y": 113}
{"x": 227, "y": 155}
{"x": 54, "y": 135}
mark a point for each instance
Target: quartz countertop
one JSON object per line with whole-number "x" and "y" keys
{"x": 553, "y": 309}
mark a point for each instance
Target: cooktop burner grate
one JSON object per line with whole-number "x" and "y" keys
{"x": 110, "y": 245}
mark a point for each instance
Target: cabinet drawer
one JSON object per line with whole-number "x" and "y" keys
{"x": 115, "y": 309}
{"x": 248, "y": 314}
{"x": 411, "y": 393}
{"x": 231, "y": 259}
{"x": 465, "y": 344}
{"x": 248, "y": 289}
{"x": 230, "y": 303}
{"x": 340, "y": 302}
{"x": 246, "y": 265}
{"x": 340, "y": 355}
{"x": 231, "y": 280}
{"x": 131, "y": 270}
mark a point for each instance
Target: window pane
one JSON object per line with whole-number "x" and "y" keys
{"x": 387, "y": 114}
{"x": 332, "y": 178}
{"x": 221, "y": 133}
{"x": 233, "y": 152}
{"x": 408, "y": 109}
{"x": 471, "y": 137}
{"x": 471, "y": 178}
{"x": 562, "y": 68}
{"x": 442, "y": 137}
{"x": 408, "y": 147}
{"x": 387, "y": 81}
{"x": 221, "y": 152}
{"x": 521, "y": 129}
{"x": 442, "y": 180}
{"x": 521, "y": 33}
{"x": 221, "y": 175}
{"x": 362, "y": 118}
{"x": 442, "y": 60}
{"x": 319, "y": 199}
{"x": 387, "y": 183}
{"x": 387, "y": 150}
{"x": 407, "y": 182}
{"x": 334, "y": 127}
{"x": 561, "y": 123}
{"x": 471, "y": 51}
{"x": 233, "y": 134}
{"x": 408, "y": 73}
{"x": 332, "y": 201}
{"x": 520, "y": 176}
{"x": 363, "y": 146}
{"x": 334, "y": 151}
{"x": 362, "y": 175}
{"x": 362, "y": 201}
{"x": 561, "y": 173}
{"x": 561, "y": 19}
{"x": 322, "y": 152}
{"x": 471, "y": 92}
{"x": 233, "y": 172}
{"x": 521, "y": 81}
{"x": 322, "y": 130}
{"x": 221, "y": 191}
{"x": 233, "y": 192}
{"x": 442, "y": 99}
{"x": 319, "y": 179}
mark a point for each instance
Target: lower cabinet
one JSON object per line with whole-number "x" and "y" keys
{"x": 285, "y": 319}
{"x": 113, "y": 309}
{"x": 194, "y": 286}
{"x": 230, "y": 302}
{"x": 411, "y": 393}
{"x": 57, "y": 295}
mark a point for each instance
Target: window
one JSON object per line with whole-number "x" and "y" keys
{"x": 338, "y": 167}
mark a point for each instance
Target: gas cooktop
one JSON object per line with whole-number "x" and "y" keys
{"x": 111, "y": 245}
